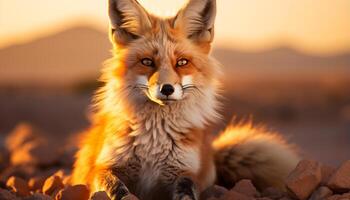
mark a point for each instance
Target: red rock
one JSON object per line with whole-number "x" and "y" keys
{"x": 285, "y": 198}
{"x": 246, "y": 187}
{"x": 340, "y": 180}
{"x": 7, "y": 195}
{"x": 233, "y": 195}
{"x": 264, "y": 198}
{"x": 36, "y": 183}
{"x": 272, "y": 193}
{"x": 20, "y": 135}
{"x": 334, "y": 197}
{"x": 18, "y": 185}
{"x": 321, "y": 193}
{"x": 52, "y": 185}
{"x": 327, "y": 172}
{"x": 130, "y": 197}
{"x": 101, "y": 195}
{"x": 304, "y": 179}
{"x": 214, "y": 191}
{"x": 36, "y": 152}
{"x": 18, "y": 171}
{"x": 76, "y": 192}
{"x": 38, "y": 196}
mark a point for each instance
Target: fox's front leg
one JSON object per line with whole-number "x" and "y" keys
{"x": 185, "y": 189}
{"x": 108, "y": 181}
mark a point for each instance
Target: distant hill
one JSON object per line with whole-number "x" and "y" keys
{"x": 77, "y": 54}
{"x": 63, "y": 58}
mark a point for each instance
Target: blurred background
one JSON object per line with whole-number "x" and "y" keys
{"x": 287, "y": 66}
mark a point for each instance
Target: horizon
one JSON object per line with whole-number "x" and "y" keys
{"x": 253, "y": 26}
{"x": 216, "y": 45}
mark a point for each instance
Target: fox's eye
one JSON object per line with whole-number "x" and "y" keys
{"x": 147, "y": 62}
{"x": 181, "y": 62}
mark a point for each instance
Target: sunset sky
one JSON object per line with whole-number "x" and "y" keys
{"x": 313, "y": 26}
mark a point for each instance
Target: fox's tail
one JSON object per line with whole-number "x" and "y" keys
{"x": 245, "y": 152}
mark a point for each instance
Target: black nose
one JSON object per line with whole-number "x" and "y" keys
{"x": 167, "y": 89}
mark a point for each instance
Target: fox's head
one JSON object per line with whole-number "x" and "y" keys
{"x": 162, "y": 61}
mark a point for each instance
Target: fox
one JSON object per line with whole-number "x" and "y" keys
{"x": 161, "y": 91}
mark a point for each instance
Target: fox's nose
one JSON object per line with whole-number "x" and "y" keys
{"x": 167, "y": 89}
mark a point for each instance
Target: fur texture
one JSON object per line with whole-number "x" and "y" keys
{"x": 151, "y": 142}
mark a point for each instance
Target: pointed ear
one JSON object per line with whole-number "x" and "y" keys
{"x": 128, "y": 21}
{"x": 197, "y": 19}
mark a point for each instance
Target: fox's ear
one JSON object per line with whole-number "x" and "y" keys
{"x": 128, "y": 20}
{"x": 197, "y": 19}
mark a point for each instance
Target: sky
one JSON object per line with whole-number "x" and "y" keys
{"x": 312, "y": 26}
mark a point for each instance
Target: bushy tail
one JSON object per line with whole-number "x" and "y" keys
{"x": 245, "y": 152}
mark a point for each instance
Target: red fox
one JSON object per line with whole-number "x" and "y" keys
{"x": 149, "y": 133}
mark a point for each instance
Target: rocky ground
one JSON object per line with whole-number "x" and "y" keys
{"x": 32, "y": 168}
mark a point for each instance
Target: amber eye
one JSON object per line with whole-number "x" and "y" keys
{"x": 147, "y": 62}
{"x": 181, "y": 62}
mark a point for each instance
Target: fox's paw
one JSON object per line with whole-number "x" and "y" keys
{"x": 119, "y": 191}
{"x": 184, "y": 189}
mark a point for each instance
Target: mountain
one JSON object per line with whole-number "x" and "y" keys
{"x": 77, "y": 54}
{"x": 63, "y": 58}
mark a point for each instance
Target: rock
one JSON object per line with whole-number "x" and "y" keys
{"x": 18, "y": 185}
{"x": 272, "y": 193}
{"x": 321, "y": 193}
{"x": 19, "y": 171}
{"x": 285, "y": 198}
{"x": 214, "y": 191}
{"x": 236, "y": 196}
{"x": 327, "y": 172}
{"x": 335, "y": 197}
{"x": 36, "y": 152}
{"x": 264, "y": 198}
{"x": 76, "y": 192}
{"x": 130, "y": 197}
{"x": 101, "y": 195}
{"x": 52, "y": 185}
{"x": 20, "y": 135}
{"x": 36, "y": 183}
{"x": 304, "y": 179}
{"x": 340, "y": 180}
{"x": 7, "y": 195}
{"x": 38, "y": 196}
{"x": 246, "y": 187}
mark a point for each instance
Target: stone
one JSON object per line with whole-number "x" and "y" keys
{"x": 20, "y": 135}
{"x": 100, "y": 195}
{"x": 214, "y": 191}
{"x": 272, "y": 193}
{"x": 52, "y": 185}
{"x": 340, "y": 180}
{"x": 246, "y": 187}
{"x": 36, "y": 183}
{"x": 326, "y": 171}
{"x": 7, "y": 195}
{"x": 18, "y": 185}
{"x": 36, "y": 152}
{"x": 233, "y": 195}
{"x": 130, "y": 197}
{"x": 334, "y": 197}
{"x": 38, "y": 196}
{"x": 76, "y": 192}
{"x": 304, "y": 179}
{"x": 322, "y": 192}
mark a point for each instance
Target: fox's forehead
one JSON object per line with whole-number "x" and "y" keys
{"x": 162, "y": 41}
